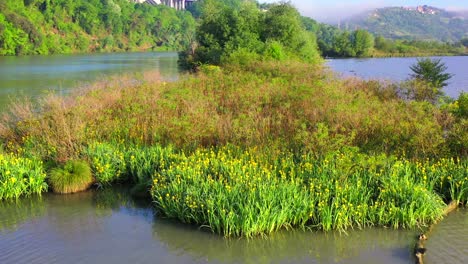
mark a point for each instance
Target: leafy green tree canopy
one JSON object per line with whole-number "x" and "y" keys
{"x": 238, "y": 33}
{"x": 431, "y": 71}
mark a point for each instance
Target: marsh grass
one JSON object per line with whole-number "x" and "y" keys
{"x": 20, "y": 176}
{"x": 107, "y": 162}
{"x": 74, "y": 176}
{"x": 235, "y": 192}
{"x": 289, "y": 104}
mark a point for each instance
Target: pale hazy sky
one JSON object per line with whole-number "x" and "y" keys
{"x": 333, "y": 10}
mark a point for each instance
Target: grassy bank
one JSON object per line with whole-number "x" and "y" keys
{"x": 247, "y": 151}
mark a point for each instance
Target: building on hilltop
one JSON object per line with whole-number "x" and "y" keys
{"x": 426, "y": 10}
{"x": 177, "y": 4}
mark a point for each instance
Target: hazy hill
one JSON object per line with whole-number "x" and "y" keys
{"x": 420, "y": 23}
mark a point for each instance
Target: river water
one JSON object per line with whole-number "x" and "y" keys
{"x": 398, "y": 69}
{"x": 107, "y": 226}
{"x": 33, "y": 76}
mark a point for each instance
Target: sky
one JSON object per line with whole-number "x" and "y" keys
{"x": 334, "y": 10}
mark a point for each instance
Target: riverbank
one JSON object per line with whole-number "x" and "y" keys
{"x": 409, "y": 55}
{"x": 246, "y": 152}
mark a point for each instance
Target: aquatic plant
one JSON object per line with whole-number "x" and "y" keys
{"x": 74, "y": 176}
{"x": 238, "y": 192}
{"x": 20, "y": 176}
{"x": 107, "y": 162}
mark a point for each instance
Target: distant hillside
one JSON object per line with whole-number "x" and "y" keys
{"x": 413, "y": 23}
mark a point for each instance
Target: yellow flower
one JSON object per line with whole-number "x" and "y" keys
{"x": 13, "y": 179}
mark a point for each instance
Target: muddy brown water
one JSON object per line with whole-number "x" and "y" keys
{"x": 110, "y": 227}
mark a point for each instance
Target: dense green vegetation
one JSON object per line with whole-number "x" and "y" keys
{"x": 242, "y": 193}
{"x": 400, "y": 23}
{"x": 271, "y": 140}
{"x": 20, "y": 175}
{"x": 432, "y": 71}
{"x": 249, "y": 150}
{"x": 230, "y": 34}
{"x": 334, "y": 42}
{"x": 66, "y": 26}
{"x": 70, "y": 26}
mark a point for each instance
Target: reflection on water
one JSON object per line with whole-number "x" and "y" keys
{"x": 108, "y": 226}
{"x": 33, "y": 76}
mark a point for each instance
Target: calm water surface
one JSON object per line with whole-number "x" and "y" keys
{"x": 109, "y": 227}
{"x": 34, "y": 76}
{"x": 398, "y": 69}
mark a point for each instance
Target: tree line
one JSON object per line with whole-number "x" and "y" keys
{"x": 70, "y": 26}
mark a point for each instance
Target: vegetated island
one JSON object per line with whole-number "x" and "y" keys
{"x": 262, "y": 137}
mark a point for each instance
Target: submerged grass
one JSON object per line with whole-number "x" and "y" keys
{"x": 74, "y": 176}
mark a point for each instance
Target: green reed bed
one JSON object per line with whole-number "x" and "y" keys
{"x": 114, "y": 162}
{"x": 238, "y": 193}
{"x": 107, "y": 162}
{"x": 20, "y": 176}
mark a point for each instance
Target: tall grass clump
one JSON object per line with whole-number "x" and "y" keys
{"x": 74, "y": 176}
{"x": 20, "y": 176}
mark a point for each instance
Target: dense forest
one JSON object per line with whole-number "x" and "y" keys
{"x": 71, "y": 26}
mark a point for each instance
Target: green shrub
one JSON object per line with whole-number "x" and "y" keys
{"x": 20, "y": 176}
{"x": 274, "y": 50}
{"x": 461, "y": 105}
{"x": 74, "y": 176}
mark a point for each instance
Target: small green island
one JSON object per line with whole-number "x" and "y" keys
{"x": 257, "y": 136}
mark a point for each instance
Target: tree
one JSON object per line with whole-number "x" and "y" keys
{"x": 429, "y": 77}
{"x": 431, "y": 71}
{"x": 240, "y": 33}
{"x": 363, "y": 42}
